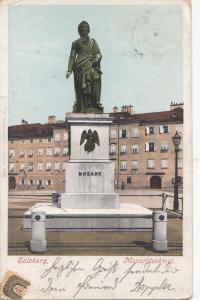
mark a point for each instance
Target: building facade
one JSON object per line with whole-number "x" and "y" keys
{"x": 140, "y": 145}
{"x": 37, "y": 155}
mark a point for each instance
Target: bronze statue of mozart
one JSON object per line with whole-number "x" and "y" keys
{"x": 84, "y": 62}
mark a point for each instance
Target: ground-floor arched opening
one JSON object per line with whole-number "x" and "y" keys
{"x": 12, "y": 183}
{"x": 155, "y": 182}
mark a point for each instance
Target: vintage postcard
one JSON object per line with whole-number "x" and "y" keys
{"x": 96, "y": 149}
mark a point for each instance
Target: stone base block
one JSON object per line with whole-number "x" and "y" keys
{"x": 89, "y": 176}
{"x": 161, "y": 246}
{"x": 129, "y": 217}
{"x": 38, "y": 246}
{"x": 89, "y": 200}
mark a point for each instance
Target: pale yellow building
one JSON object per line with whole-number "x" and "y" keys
{"x": 140, "y": 144}
{"x": 37, "y": 155}
{"x": 142, "y": 147}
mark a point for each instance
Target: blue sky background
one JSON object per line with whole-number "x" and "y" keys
{"x": 141, "y": 64}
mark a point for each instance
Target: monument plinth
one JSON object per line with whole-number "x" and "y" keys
{"x": 89, "y": 174}
{"x": 89, "y": 202}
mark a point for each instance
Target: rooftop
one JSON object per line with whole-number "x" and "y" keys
{"x": 33, "y": 130}
{"x": 171, "y": 116}
{"x": 26, "y": 130}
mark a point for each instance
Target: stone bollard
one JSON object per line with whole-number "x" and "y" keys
{"x": 160, "y": 231}
{"x": 55, "y": 199}
{"x": 164, "y": 202}
{"x": 38, "y": 226}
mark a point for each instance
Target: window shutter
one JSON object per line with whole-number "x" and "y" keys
{"x": 135, "y": 132}
{"x": 120, "y": 133}
{"x": 168, "y": 129}
{"x": 127, "y": 133}
{"x": 123, "y": 148}
{"x": 65, "y": 136}
{"x": 147, "y": 130}
{"x": 161, "y": 129}
{"x": 147, "y": 147}
{"x": 155, "y": 147}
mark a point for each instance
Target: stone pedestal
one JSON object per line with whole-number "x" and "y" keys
{"x": 129, "y": 217}
{"x": 89, "y": 202}
{"x": 89, "y": 174}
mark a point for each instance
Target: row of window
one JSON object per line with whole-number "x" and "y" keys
{"x": 57, "y": 138}
{"x": 40, "y": 152}
{"x": 150, "y": 164}
{"x": 40, "y": 182}
{"x": 125, "y": 133}
{"x": 57, "y": 166}
{"x": 149, "y": 147}
{"x": 152, "y": 129}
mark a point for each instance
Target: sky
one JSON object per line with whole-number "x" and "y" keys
{"x": 141, "y": 50}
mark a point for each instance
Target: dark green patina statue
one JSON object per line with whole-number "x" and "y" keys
{"x": 84, "y": 61}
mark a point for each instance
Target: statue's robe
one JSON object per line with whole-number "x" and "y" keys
{"x": 87, "y": 74}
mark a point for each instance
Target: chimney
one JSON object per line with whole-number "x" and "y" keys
{"x": 174, "y": 105}
{"x": 52, "y": 119}
{"x": 124, "y": 108}
{"x": 130, "y": 109}
{"x": 23, "y": 121}
{"x": 127, "y": 108}
{"x": 115, "y": 109}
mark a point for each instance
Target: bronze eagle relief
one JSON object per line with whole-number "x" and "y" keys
{"x": 92, "y": 138}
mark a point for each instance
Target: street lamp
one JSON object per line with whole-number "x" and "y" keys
{"x": 176, "y": 140}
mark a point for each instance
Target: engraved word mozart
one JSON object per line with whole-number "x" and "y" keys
{"x": 89, "y": 173}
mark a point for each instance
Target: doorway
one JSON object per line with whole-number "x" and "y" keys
{"x": 155, "y": 182}
{"x": 12, "y": 183}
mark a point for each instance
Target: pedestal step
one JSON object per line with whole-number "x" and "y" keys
{"x": 89, "y": 200}
{"x": 129, "y": 217}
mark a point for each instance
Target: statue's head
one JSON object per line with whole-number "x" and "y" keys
{"x": 83, "y": 28}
